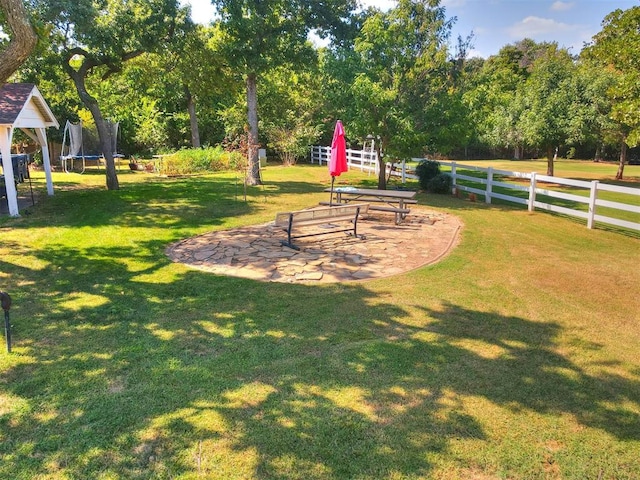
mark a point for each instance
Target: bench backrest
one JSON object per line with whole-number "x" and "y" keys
{"x": 322, "y": 213}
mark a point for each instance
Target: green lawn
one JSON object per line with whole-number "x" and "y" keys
{"x": 514, "y": 357}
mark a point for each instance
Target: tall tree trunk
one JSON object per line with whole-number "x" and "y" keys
{"x": 23, "y": 38}
{"x": 382, "y": 174}
{"x": 550, "y": 156}
{"x": 253, "y": 164}
{"x": 623, "y": 159}
{"x": 598, "y": 156}
{"x": 103, "y": 132}
{"x": 193, "y": 119}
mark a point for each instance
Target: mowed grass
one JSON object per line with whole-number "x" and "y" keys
{"x": 514, "y": 357}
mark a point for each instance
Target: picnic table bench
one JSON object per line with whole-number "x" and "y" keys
{"x": 330, "y": 219}
{"x": 395, "y": 201}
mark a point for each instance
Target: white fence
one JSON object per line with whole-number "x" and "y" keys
{"x": 577, "y": 198}
{"x": 550, "y": 193}
{"x": 363, "y": 161}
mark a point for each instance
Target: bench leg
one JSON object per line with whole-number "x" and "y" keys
{"x": 289, "y": 243}
{"x": 355, "y": 226}
{"x": 400, "y": 217}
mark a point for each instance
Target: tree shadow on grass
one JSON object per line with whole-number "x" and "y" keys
{"x": 174, "y": 202}
{"x": 139, "y": 375}
{"x": 540, "y": 379}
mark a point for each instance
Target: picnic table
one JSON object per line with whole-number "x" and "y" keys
{"x": 395, "y": 201}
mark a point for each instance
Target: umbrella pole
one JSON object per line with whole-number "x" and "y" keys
{"x": 333, "y": 179}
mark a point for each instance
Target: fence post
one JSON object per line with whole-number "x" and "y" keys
{"x": 489, "y": 189}
{"x": 593, "y": 196}
{"x": 532, "y": 192}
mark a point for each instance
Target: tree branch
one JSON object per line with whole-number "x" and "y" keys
{"x": 23, "y": 38}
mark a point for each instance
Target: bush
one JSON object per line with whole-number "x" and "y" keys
{"x": 441, "y": 183}
{"x": 427, "y": 170}
{"x": 200, "y": 160}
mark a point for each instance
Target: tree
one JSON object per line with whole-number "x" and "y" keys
{"x": 590, "y": 126}
{"x": 402, "y": 75}
{"x": 264, "y": 34}
{"x": 22, "y": 36}
{"x": 495, "y": 101}
{"x": 615, "y": 48}
{"x": 88, "y": 39}
{"x": 197, "y": 66}
{"x": 291, "y": 104}
{"x": 547, "y": 98}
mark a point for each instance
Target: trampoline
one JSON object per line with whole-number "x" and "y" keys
{"x": 73, "y": 147}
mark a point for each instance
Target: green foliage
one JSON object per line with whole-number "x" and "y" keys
{"x": 547, "y": 97}
{"x": 289, "y": 109}
{"x": 427, "y": 170}
{"x": 151, "y": 126}
{"x": 403, "y": 67}
{"x": 441, "y": 183}
{"x": 390, "y": 74}
{"x": 201, "y": 160}
{"x": 292, "y": 144}
{"x": 616, "y": 48}
{"x": 260, "y": 35}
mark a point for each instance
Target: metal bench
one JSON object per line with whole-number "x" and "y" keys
{"x": 330, "y": 219}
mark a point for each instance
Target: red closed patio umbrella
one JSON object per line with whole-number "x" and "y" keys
{"x": 338, "y": 161}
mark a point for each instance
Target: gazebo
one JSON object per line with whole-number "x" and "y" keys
{"x": 22, "y": 106}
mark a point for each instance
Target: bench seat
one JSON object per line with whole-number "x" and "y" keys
{"x": 382, "y": 208}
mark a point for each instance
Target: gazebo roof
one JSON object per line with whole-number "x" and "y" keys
{"x": 23, "y": 106}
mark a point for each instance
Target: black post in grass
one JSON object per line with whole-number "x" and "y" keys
{"x": 5, "y": 301}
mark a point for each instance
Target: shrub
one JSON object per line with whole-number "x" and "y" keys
{"x": 292, "y": 143}
{"x": 426, "y": 170}
{"x": 200, "y": 160}
{"x": 441, "y": 183}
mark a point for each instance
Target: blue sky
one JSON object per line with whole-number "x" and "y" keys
{"x": 496, "y": 23}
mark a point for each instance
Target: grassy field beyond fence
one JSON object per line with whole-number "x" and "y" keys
{"x": 514, "y": 357}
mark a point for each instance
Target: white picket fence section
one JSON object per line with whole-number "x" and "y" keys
{"x": 361, "y": 160}
{"x": 539, "y": 192}
{"x": 364, "y": 161}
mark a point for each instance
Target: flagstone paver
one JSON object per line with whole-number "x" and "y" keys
{"x": 256, "y": 251}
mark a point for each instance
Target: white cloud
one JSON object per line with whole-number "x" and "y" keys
{"x": 476, "y": 53}
{"x": 562, "y": 6}
{"x": 536, "y": 27}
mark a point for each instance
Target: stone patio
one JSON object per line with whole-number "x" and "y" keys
{"x": 256, "y": 252}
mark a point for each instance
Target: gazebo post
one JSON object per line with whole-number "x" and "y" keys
{"x": 6, "y": 134}
{"x": 46, "y": 161}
